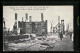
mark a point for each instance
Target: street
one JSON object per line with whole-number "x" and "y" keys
{"x": 65, "y": 45}
{"x": 50, "y": 44}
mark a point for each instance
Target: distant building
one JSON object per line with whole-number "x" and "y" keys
{"x": 38, "y": 27}
{"x": 59, "y": 27}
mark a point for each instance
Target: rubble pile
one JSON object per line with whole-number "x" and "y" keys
{"x": 32, "y": 45}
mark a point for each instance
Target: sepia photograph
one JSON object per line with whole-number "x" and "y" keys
{"x": 38, "y": 28}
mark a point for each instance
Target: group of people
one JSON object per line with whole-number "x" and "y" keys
{"x": 61, "y": 35}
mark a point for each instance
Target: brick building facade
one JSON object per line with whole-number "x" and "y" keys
{"x": 30, "y": 27}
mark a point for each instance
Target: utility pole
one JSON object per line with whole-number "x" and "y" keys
{"x": 68, "y": 27}
{"x": 51, "y": 27}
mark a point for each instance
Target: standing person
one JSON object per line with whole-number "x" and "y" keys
{"x": 70, "y": 35}
{"x": 61, "y": 35}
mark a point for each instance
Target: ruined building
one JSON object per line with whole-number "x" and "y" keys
{"x": 4, "y": 24}
{"x": 4, "y": 27}
{"x": 59, "y": 27}
{"x": 15, "y": 25}
{"x": 30, "y": 27}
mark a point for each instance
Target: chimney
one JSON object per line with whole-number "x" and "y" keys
{"x": 3, "y": 22}
{"x": 42, "y": 17}
{"x": 58, "y": 19}
{"x": 22, "y": 19}
{"x": 30, "y": 18}
{"x": 16, "y": 23}
{"x": 16, "y": 19}
{"x": 26, "y": 16}
{"x": 15, "y": 16}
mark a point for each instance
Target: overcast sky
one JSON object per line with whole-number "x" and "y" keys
{"x": 50, "y": 13}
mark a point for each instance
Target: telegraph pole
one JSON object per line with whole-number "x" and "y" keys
{"x": 51, "y": 27}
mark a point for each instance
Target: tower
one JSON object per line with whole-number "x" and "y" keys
{"x": 62, "y": 26}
